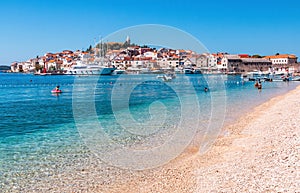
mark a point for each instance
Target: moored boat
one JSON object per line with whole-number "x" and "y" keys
{"x": 90, "y": 70}
{"x": 119, "y": 71}
{"x": 197, "y": 71}
{"x": 166, "y": 77}
{"x": 188, "y": 71}
{"x": 296, "y": 78}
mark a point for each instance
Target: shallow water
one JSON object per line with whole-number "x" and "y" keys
{"x": 41, "y": 133}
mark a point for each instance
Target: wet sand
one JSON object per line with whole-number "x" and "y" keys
{"x": 259, "y": 153}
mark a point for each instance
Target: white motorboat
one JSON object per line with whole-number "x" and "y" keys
{"x": 197, "y": 71}
{"x": 119, "y": 71}
{"x": 188, "y": 71}
{"x": 166, "y": 77}
{"x": 255, "y": 75}
{"x": 90, "y": 70}
{"x": 296, "y": 78}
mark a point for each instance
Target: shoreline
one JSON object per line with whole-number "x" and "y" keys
{"x": 251, "y": 148}
{"x": 231, "y": 162}
{"x": 234, "y": 160}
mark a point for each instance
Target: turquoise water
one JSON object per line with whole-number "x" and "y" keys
{"x": 40, "y": 132}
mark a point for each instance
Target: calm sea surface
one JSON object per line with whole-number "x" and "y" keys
{"x": 40, "y": 130}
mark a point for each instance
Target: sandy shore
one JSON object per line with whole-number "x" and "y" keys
{"x": 260, "y": 154}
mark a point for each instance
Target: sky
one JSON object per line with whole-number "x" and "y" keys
{"x": 35, "y": 27}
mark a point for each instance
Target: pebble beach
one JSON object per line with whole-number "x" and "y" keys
{"x": 259, "y": 152}
{"x": 149, "y": 97}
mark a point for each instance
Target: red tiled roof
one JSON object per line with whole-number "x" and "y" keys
{"x": 244, "y": 55}
{"x": 292, "y": 56}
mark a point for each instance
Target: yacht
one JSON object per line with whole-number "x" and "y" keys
{"x": 197, "y": 71}
{"x": 119, "y": 71}
{"x": 90, "y": 70}
{"x": 188, "y": 71}
{"x": 281, "y": 76}
{"x": 256, "y": 75}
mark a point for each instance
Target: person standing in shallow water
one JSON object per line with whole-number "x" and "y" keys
{"x": 259, "y": 86}
{"x": 256, "y": 84}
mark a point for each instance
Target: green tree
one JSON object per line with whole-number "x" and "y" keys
{"x": 126, "y": 45}
{"x": 38, "y": 67}
{"x": 89, "y": 49}
{"x": 256, "y": 56}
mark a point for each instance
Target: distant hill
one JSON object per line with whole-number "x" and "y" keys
{"x": 4, "y": 68}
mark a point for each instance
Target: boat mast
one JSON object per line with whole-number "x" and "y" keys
{"x": 101, "y": 52}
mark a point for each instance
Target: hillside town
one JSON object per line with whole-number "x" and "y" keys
{"x": 135, "y": 59}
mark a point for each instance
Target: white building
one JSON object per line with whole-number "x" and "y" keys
{"x": 212, "y": 61}
{"x": 27, "y": 66}
{"x": 14, "y": 67}
{"x": 168, "y": 62}
{"x": 142, "y": 63}
{"x": 282, "y": 59}
{"x": 152, "y": 55}
{"x": 230, "y": 62}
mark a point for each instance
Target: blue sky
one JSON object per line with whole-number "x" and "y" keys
{"x": 34, "y": 27}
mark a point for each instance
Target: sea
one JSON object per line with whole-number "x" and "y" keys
{"x": 43, "y": 134}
